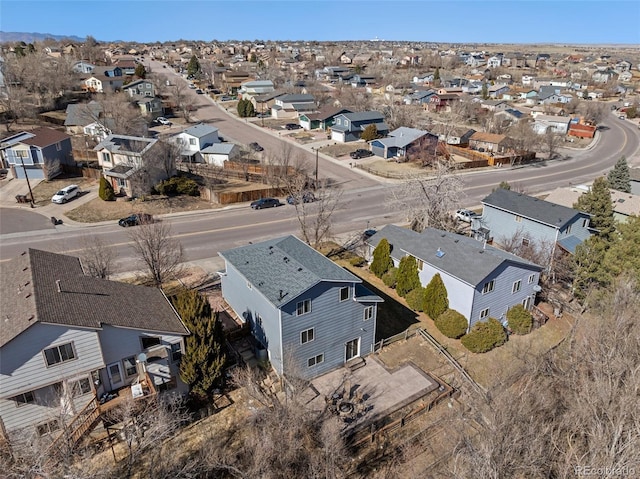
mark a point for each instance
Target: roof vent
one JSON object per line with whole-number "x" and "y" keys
{"x": 440, "y": 253}
{"x": 58, "y": 286}
{"x": 299, "y": 269}
{"x": 286, "y": 259}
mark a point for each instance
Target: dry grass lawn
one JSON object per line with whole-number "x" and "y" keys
{"x": 98, "y": 210}
{"x": 340, "y": 149}
{"x": 44, "y": 190}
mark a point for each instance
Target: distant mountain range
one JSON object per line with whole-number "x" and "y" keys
{"x": 10, "y": 37}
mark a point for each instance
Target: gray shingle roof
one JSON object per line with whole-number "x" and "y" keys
{"x": 124, "y": 143}
{"x": 530, "y": 207}
{"x": 30, "y": 294}
{"x": 365, "y": 116}
{"x": 82, "y": 114}
{"x": 284, "y": 264}
{"x": 464, "y": 257}
{"x": 200, "y": 130}
{"x": 403, "y": 136}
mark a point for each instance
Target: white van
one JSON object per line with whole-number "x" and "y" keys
{"x": 65, "y": 194}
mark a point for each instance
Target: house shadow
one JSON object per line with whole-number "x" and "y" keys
{"x": 393, "y": 317}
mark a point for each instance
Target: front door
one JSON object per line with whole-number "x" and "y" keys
{"x": 115, "y": 375}
{"x": 353, "y": 349}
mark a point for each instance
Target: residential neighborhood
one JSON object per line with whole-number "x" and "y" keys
{"x": 310, "y": 258}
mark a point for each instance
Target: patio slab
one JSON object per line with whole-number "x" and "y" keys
{"x": 380, "y": 391}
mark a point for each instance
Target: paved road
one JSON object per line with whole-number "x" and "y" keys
{"x": 364, "y": 200}
{"x": 14, "y": 220}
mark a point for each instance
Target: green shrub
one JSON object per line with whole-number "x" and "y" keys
{"x": 519, "y": 320}
{"x": 105, "y": 190}
{"x": 436, "y": 300}
{"x": 382, "y": 261}
{"x": 484, "y": 336}
{"x": 357, "y": 261}
{"x": 407, "y": 279}
{"x": 390, "y": 277}
{"x": 452, "y": 324}
{"x": 415, "y": 298}
{"x": 178, "y": 185}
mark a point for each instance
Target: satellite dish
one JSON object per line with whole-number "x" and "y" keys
{"x": 537, "y": 288}
{"x": 142, "y": 358}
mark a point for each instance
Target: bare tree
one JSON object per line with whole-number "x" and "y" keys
{"x": 119, "y": 115}
{"x": 160, "y": 252}
{"x": 97, "y": 257}
{"x": 594, "y": 111}
{"x": 551, "y": 143}
{"x": 429, "y": 201}
{"x": 315, "y": 218}
{"x": 182, "y": 100}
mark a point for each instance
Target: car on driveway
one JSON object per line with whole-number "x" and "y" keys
{"x": 65, "y": 194}
{"x": 368, "y": 233}
{"x": 307, "y": 197}
{"x": 162, "y": 121}
{"x": 360, "y": 153}
{"x": 466, "y": 215}
{"x": 255, "y": 146}
{"x": 265, "y": 203}
{"x": 136, "y": 219}
{"x": 292, "y": 126}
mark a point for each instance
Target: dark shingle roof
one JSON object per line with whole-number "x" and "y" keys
{"x": 459, "y": 256}
{"x": 40, "y": 286}
{"x": 284, "y": 265}
{"x": 82, "y": 114}
{"x": 45, "y": 136}
{"x": 530, "y": 207}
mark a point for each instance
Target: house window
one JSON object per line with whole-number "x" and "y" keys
{"x": 532, "y": 278}
{"x": 488, "y": 287}
{"x": 344, "y": 293}
{"x": 176, "y": 352}
{"x": 149, "y": 341}
{"x": 420, "y": 264}
{"x": 525, "y": 242}
{"x": 303, "y": 307}
{"x": 568, "y": 229}
{"x": 59, "y": 354}
{"x": 306, "y": 336}
{"x": 484, "y": 314}
{"x": 130, "y": 368}
{"x": 249, "y": 285}
{"x": 516, "y": 286}
{"x": 315, "y": 360}
{"x": 25, "y": 398}
{"x": 106, "y": 157}
{"x": 80, "y": 387}
{"x": 58, "y": 146}
{"x": 121, "y": 183}
{"x": 192, "y": 141}
{"x": 47, "y": 427}
{"x": 368, "y": 313}
{"x": 585, "y": 223}
{"x": 518, "y": 219}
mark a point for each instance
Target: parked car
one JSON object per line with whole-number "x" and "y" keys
{"x": 162, "y": 121}
{"x": 136, "y": 219}
{"x": 65, "y": 194}
{"x": 466, "y": 215}
{"x": 265, "y": 203}
{"x": 622, "y": 117}
{"x": 255, "y": 146}
{"x": 199, "y": 91}
{"x": 292, "y": 126}
{"x": 307, "y": 197}
{"x": 192, "y": 86}
{"x": 360, "y": 153}
{"x": 225, "y": 98}
{"x": 368, "y": 234}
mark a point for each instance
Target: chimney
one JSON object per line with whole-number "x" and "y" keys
{"x": 58, "y": 286}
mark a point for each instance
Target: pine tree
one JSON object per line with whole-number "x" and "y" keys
{"x": 436, "y": 74}
{"x": 382, "y": 261}
{"x": 485, "y": 91}
{"x": 370, "y": 132}
{"x": 141, "y": 71}
{"x": 105, "y": 190}
{"x": 436, "y": 300}
{"x": 202, "y": 364}
{"x": 619, "y": 178}
{"x": 407, "y": 279}
{"x": 597, "y": 202}
{"x": 193, "y": 67}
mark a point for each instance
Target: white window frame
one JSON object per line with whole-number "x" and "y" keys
{"x": 192, "y": 141}
{"x": 176, "y": 352}
{"x": 303, "y": 307}
{"x": 348, "y": 293}
{"x": 24, "y": 399}
{"x": 106, "y": 157}
{"x": 532, "y": 278}
{"x": 314, "y": 361}
{"x": 76, "y": 387}
{"x": 585, "y": 222}
{"x": 57, "y": 350}
{"x": 307, "y": 336}
{"x": 51, "y": 426}
{"x": 126, "y": 368}
{"x": 484, "y": 314}
{"x": 517, "y": 286}
{"x": 368, "y": 313}
{"x": 489, "y": 286}
{"x": 518, "y": 219}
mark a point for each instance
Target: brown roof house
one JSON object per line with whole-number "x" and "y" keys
{"x": 69, "y": 341}
{"x": 488, "y": 142}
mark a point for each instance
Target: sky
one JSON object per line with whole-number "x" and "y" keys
{"x": 471, "y": 21}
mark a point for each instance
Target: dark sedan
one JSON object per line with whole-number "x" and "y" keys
{"x": 292, "y": 126}
{"x": 265, "y": 203}
{"x": 360, "y": 153}
{"x": 255, "y": 146}
{"x": 136, "y": 219}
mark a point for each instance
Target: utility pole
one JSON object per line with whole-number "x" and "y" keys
{"x": 317, "y": 151}
{"x": 26, "y": 177}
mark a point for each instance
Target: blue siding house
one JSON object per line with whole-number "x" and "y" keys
{"x": 43, "y": 151}
{"x": 481, "y": 281}
{"x": 508, "y": 214}
{"x": 349, "y": 126}
{"x": 309, "y": 314}
{"x": 402, "y": 140}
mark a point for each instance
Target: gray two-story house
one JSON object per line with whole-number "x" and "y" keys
{"x": 481, "y": 281}
{"x": 308, "y": 313}
{"x": 67, "y": 339}
{"x": 349, "y": 126}
{"x": 508, "y": 214}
